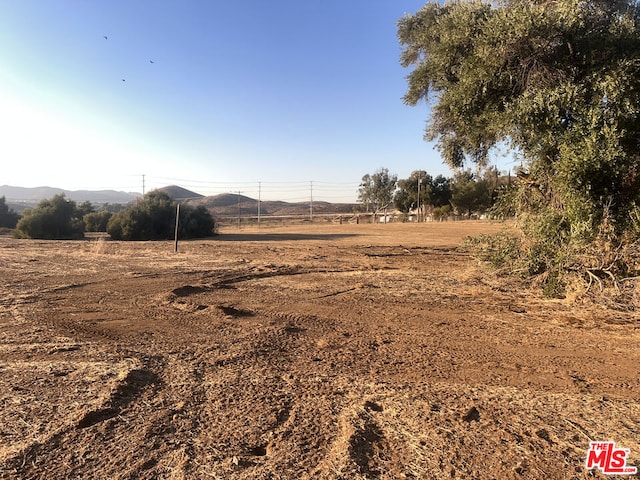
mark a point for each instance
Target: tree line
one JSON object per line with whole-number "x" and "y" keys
{"x": 8, "y": 218}
{"x": 152, "y": 217}
{"x": 466, "y": 194}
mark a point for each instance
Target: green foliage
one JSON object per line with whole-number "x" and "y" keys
{"x": 376, "y": 191}
{"x": 53, "y": 219}
{"x": 433, "y": 192}
{"x": 498, "y": 250}
{"x": 8, "y": 218}
{"x": 97, "y": 221}
{"x": 113, "y": 207}
{"x": 153, "y": 218}
{"x": 469, "y": 194}
{"x": 406, "y": 197}
{"x": 554, "y": 285}
{"x": 518, "y": 255}
{"x": 441, "y": 213}
{"x": 195, "y": 222}
{"x": 503, "y": 202}
{"x": 440, "y": 191}
{"x": 560, "y": 83}
{"x": 84, "y": 208}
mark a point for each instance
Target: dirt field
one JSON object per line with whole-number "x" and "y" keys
{"x": 317, "y": 352}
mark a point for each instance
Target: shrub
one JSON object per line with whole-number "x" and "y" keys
{"x": 441, "y": 213}
{"x": 153, "y": 218}
{"x": 53, "y": 219}
{"x": 498, "y": 250}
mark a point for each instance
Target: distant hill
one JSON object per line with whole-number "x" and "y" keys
{"x": 179, "y": 193}
{"x": 225, "y": 204}
{"x": 35, "y": 194}
{"x": 224, "y": 200}
{"x": 228, "y": 204}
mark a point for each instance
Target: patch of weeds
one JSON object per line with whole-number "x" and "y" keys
{"x": 499, "y": 250}
{"x": 554, "y": 285}
{"x": 537, "y": 261}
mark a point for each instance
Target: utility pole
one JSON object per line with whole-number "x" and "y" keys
{"x": 259, "y": 200}
{"x": 143, "y": 184}
{"x": 418, "y": 198}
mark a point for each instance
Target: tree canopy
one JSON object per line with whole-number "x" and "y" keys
{"x": 97, "y": 221}
{"x": 470, "y": 194}
{"x": 8, "y": 218}
{"x": 413, "y": 191}
{"x": 422, "y": 190}
{"x": 377, "y": 190}
{"x": 557, "y": 81}
{"x": 154, "y": 217}
{"x": 53, "y": 219}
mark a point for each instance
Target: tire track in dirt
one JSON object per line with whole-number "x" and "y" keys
{"x": 359, "y": 444}
{"x": 308, "y": 362}
{"x": 102, "y": 417}
{"x": 125, "y": 392}
{"x": 91, "y": 406}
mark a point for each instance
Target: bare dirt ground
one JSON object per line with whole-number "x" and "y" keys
{"x": 316, "y": 352}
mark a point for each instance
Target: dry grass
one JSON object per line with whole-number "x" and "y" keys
{"x": 342, "y": 351}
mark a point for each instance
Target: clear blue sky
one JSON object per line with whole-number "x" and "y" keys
{"x": 282, "y": 92}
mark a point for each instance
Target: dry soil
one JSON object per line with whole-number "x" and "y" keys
{"x": 315, "y": 352}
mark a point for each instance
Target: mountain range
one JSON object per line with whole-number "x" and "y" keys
{"x": 229, "y": 204}
{"x": 225, "y": 204}
{"x": 35, "y": 194}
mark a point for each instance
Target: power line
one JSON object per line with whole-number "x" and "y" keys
{"x": 288, "y": 191}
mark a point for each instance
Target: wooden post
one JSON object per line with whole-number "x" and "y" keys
{"x": 177, "y": 221}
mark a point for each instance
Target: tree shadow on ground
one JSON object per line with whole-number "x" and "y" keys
{"x": 279, "y": 237}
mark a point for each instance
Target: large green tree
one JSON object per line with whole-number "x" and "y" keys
{"x": 376, "y": 190}
{"x": 53, "y": 219}
{"x": 413, "y": 192}
{"x": 557, "y": 81}
{"x": 441, "y": 191}
{"x": 470, "y": 194}
{"x": 8, "y": 218}
{"x": 153, "y": 218}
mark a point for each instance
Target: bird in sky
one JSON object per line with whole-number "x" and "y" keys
{"x": 124, "y": 79}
